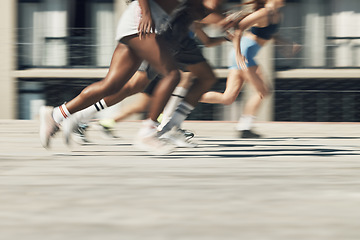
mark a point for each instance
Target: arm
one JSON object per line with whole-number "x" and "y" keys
{"x": 248, "y": 21}
{"x": 287, "y": 48}
{"x": 205, "y": 39}
{"x": 212, "y": 18}
{"x": 146, "y": 24}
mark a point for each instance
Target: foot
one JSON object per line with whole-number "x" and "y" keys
{"x": 153, "y": 145}
{"x": 147, "y": 140}
{"x": 80, "y": 133}
{"x": 188, "y": 134}
{"x": 107, "y": 127}
{"x": 248, "y": 134}
{"x": 177, "y": 137}
{"x": 48, "y": 127}
{"x": 68, "y": 126}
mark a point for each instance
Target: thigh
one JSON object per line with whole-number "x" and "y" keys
{"x": 154, "y": 50}
{"x": 124, "y": 64}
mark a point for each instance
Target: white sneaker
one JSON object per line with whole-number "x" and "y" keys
{"x": 79, "y": 134}
{"x": 153, "y": 145}
{"x": 177, "y": 137}
{"x": 68, "y": 126}
{"x": 48, "y": 127}
{"x": 148, "y": 141}
{"x": 187, "y": 133}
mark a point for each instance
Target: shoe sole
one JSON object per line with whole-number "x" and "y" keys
{"x": 143, "y": 147}
{"x": 178, "y": 143}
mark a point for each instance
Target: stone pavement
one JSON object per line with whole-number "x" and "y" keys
{"x": 301, "y": 181}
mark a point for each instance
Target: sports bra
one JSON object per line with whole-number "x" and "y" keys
{"x": 266, "y": 32}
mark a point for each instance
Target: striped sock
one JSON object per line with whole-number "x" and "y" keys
{"x": 179, "y": 116}
{"x": 60, "y": 113}
{"x": 85, "y": 115}
{"x": 177, "y": 96}
{"x": 100, "y": 105}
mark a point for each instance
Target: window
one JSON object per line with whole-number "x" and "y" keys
{"x": 65, "y": 33}
{"x": 329, "y": 32}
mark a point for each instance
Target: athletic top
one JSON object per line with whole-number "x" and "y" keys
{"x": 266, "y": 32}
{"x": 180, "y": 20}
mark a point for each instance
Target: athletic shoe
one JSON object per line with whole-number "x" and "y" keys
{"x": 107, "y": 127}
{"x": 153, "y": 145}
{"x": 248, "y": 134}
{"x": 48, "y": 127}
{"x": 177, "y": 137}
{"x": 188, "y": 134}
{"x": 147, "y": 140}
{"x": 68, "y": 126}
{"x": 79, "y": 133}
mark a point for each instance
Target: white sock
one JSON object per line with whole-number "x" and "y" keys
{"x": 60, "y": 113}
{"x": 245, "y": 122}
{"x": 179, "y": 116}
{"x": 85, "y": 115}
{"x": 178, "y": 94}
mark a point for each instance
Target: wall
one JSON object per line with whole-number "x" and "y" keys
{"x": 7, "y": 60}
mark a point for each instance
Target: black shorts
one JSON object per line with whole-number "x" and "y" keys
{"x": 189, "y": 53}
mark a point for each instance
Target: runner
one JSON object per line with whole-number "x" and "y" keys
{"x": 263, "y": 24}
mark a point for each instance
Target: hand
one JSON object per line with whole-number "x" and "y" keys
{"x": 228, "y": 22}
{"x": 296, "y": 48}
{"x": 233, "y": 18}
{"x": 241, "y": 61}
{"x": 229, "y": 36}
{"x": 146, "y": 25}
{"x": 290, "y": 50}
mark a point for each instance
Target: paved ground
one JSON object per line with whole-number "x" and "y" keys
{"x": 302, "y": 181}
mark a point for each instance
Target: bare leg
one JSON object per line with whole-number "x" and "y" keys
{"x": 123, "y": 65}
{"x": 136, "y": 84}
{"x": 139, "y": 106}
{"x": 205, "y": 78}
{"x": 177, "y": 96}
{"x": 186, "y": 80}
{"x": 234, "y": 83}
{"x": 254, "y": 76}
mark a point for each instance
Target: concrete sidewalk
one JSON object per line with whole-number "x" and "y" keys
{"x": 301, "y": 181}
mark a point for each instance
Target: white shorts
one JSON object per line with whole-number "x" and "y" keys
{"x": 130, "y": 19}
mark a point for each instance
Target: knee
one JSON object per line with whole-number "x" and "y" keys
{"x": 228, "y": 100}
{"x": 210, "y": 80}
{"x": 206, "y": 82}
{"x": 265, "y": 91}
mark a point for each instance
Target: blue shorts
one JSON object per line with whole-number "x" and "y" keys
{"x": 249, "y": 49}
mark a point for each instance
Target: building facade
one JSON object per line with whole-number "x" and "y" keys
{"x": 51, "y": 49}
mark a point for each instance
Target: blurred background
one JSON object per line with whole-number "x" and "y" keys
{"x": 52, "y": 49}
